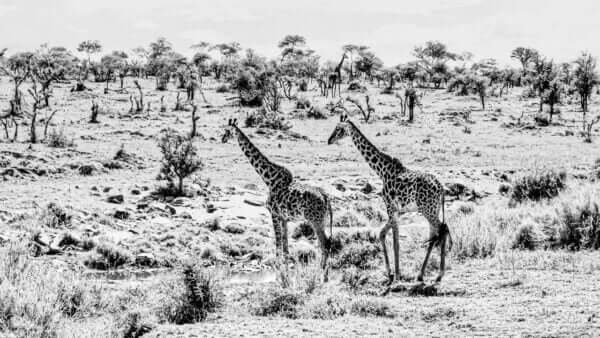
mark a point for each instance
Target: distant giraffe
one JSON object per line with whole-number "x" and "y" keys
{"x": 404, "y": 190}
{"x": 335, "y": 78}
{"x": 287, "y": 200}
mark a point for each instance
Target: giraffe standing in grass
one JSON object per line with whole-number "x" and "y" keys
{"x": 404, "y": 190}
{"x": 287, "y": 200}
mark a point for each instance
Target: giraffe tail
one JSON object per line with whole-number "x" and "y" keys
{"x": 444, "y": 225}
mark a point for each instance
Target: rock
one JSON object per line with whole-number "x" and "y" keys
{"x": 367, "y": 189}
{"x": 135, "y": 192}
{"x": 86, "y": 170}
{"x": 339, "y": 186}
{"x": 210, "y": 208}
{"x": 426, "y": 141}
{"x": 170, "y": 209}
{"x": 254, "y": 203}
{"x": 116, "y": 199}
{"x": 106, "y": 189}
{"x": 121, "y": 214}
{"x": 145, "y": 259}
{"x": 251, "y": 186}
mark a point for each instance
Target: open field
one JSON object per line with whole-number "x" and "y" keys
{"x": 491, "y": 286}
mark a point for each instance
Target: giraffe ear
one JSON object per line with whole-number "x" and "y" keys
{"x": 234, "y": 122}
{"x": 229, "y": 122}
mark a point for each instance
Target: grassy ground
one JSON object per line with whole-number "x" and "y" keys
{"x": 494, "y": 285}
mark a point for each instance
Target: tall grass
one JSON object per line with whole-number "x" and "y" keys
{"x": 571, "y": 221}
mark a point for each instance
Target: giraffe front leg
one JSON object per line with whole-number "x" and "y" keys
{"x": 396, "y": 239}
{"x": 382, "y": 235}
{"x": 284, "y": 239}
{"x": 277, "y": 230}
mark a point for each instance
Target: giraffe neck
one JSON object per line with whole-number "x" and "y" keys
{"x": 377, "y": 160}
{"x": 272, "y": 174}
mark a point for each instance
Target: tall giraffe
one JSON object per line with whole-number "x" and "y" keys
{"x": 404, "y": 190}
{"x": 287, "y": 199}
{"x": 335, "y": 78}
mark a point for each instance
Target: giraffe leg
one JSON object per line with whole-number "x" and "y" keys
{"x": 422, "y": 272}
{"x": 442, "y": 257}
{"x": 382, "y": 234}
{"x": 396, "y": 239}
{"x": 277, "y": 230}
{"x": 284, "y": 239}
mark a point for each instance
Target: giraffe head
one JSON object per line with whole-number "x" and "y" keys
{"x": 342, "y": 129}
{"x": 229, "y": 130}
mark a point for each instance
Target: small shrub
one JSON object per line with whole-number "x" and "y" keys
{"x": 303, "y": 103}
{"x": 58, "y": 139}
{"x": 349, "y": 219}
{"x": 316, "y": 113}
{"x": 525, "y": 237}
{"x": 189, "y": 299}
{"x": 304, "y": 252}
{"x": 179, "y": 159}
{"x": 277, "y": 301}
{"x": 222, "y": 88}
{"x": 360, "y": 255}
{"x": 535, "y": 187}
{"x": 326, "y": 307}
{"x": 365, "y": 307}
{"x": 578, "y": 222}
{"x": 234, "y": 228}
{"x": 109, "y": 256}
{"x": 465, "y": 208}
{"x": 303, "y": 229}
{"x": 55, "y": 216}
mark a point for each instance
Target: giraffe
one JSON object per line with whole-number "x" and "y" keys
{"x": 287, "y": 199}
{"x": 404, "y": 190}
{"x": 335, "y": 78}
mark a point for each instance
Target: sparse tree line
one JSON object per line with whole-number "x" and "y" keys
{"x": 257, "y": 81}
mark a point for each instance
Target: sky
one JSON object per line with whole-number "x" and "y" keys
{"x": 392, "y": 28}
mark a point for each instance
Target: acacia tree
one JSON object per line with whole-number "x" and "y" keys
{"x": 352, "y": 51}
{"x": 18, "y": 68}
{"x": 291, "y": 45}
{"x": 49, "y": 65}
{"x": 541, "y": 74}
{"x": 525, "y": 56}
{"x": 367, "y": 63}
{"x": 585, "y": 78}
{"x": 229, "y": 51}
{"x": 432, "y": 58}
{"x": 89, "y": 47}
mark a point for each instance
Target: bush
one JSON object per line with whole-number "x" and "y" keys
{"x": 179, "y": 159}
{"x": 316, "y": 113}
{"x": 303, "y": 229}
{"x": 326, "y": 307}
{"x": 371, "y": 307}
{"x": 234, "y": 228}
{"x": 189, "y": 299}
{"x": 303, "y": 103}
{"x": 277, "y": 301}
{"x": 360, "y": 255}
{"x": 108, "y": 256}
{"x": 55, "y": 216}
{"x": 578, "y": 223}
{"x": 538, "y": 186}
{"x": 526, "y": 237}
{"x": 58, "y": 139}
{"x": 222, "y": 88}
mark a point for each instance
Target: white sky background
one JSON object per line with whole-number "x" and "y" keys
{"x": 558, "y": 29}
